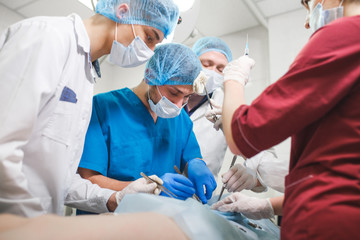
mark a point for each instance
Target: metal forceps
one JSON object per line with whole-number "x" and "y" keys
{"x": 211, "y": 106}
{"x": 159, "y": 185}
{"x": 178, "y": 171}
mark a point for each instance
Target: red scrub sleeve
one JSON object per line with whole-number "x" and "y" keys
{"x": 242, "y": 137}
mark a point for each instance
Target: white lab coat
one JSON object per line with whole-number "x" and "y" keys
{"x": 270, "y": 170}
{"x": 212, "y": 143}
{"x": 41, "y": 137}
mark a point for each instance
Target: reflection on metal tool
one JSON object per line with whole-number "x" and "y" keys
{"x": 178, "y": 171}
{"x": 247, "y": 46}
{"x": 159, "y": 185}
{"x": 224, "y": 185}
{"x": 208, "y": 98}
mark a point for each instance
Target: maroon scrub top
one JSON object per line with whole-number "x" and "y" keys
{"x": 317, "y": 103}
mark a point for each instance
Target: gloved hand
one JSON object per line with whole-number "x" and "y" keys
{"x": 239, "y": 69}
{"x": 140, "y": 185}
{"x": 201, "y": 176}
{"x": 250, "y": 207}
{"x": 216, "y": 111}
{"x": 239, "y": 178}
{"x": 182, "y": 187}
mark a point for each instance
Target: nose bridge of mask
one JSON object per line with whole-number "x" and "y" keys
{"x": 168, "y": 101}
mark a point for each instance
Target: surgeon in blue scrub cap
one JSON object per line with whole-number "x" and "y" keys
{"x": 209, "y": 44}
{"x": 55, "y": 70}
{"x": 145, "y": 129}
{"x": 147, "y": 21}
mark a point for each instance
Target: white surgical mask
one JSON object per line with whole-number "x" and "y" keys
{"x": 164, "y": 108}
{"x": 133, "y": 55}
{"x": 215, "y": 80}
{"x": 320, "y": 17}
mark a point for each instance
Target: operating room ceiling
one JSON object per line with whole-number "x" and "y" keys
{"x": 208, "y": 17}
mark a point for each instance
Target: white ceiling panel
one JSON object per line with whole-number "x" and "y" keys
{"x": 55, "y": 8}
{"x": 220, "y": 17}
{"x": 14, "y": 4}
{"x": 275, "y": 7}
{"x": 211, "y": 18}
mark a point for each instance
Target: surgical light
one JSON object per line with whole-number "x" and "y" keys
{"x": 184, "y": 5}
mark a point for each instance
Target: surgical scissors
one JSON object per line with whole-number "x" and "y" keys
{"x": 211, "y": 106}
{"x": 159, "y": 185}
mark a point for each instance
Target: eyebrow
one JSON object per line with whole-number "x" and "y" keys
{"x": 176, "y": 89}
{"x": 156, "y": 34}
{"x": 179, "y": 91}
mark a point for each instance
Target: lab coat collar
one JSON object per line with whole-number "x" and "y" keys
{"x": 83, "y": 42}
{"x": 81, "y": 33}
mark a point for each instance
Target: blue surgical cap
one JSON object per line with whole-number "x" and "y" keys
{"x": 209, "y": 44}
{"x": 160, "y": 14}
{"x": 172, "y": 64}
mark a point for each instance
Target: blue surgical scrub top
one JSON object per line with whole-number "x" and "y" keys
{"x": 122, "y": 139}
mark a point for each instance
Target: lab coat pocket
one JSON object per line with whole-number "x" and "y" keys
{"x": 61, "y": 122}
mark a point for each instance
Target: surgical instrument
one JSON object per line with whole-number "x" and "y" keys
{"x": 178, "y": 171}
{"x": 224, "y": 185}
{"x": 247, "y": 45}
{"x": 159, "y": 185}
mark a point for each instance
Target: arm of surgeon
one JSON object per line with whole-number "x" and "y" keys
{"x": 276, "y": 203}
{"x": 233, "y": 98}
{"x": 101, "y": 180}
{"x": 125, "y": 226}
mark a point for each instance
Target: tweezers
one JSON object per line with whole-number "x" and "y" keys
{"x": 178, "y": 171}
{"x": 159, "y": 185}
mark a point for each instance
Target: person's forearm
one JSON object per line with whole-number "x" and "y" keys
{"x": 102, "y": 181}
{"x": 124, "y": 226}
{"x": 10, "y": 221}
{"x": 277, "y": 203}
{"x": 233, "y": 98}
{"x": 112, "y": 204}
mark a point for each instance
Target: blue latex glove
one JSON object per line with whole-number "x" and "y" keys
{"x": 182, "y": 187}
{"x": 201, "y": 176}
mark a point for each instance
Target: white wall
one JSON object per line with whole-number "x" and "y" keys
{"x": 8, "y": 17}
{"x": 287, "y": 36}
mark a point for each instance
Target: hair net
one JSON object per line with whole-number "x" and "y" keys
{"x": 172, "y": 64}
{"x": 208, "y": 44}
{"x": 160, "y": 14}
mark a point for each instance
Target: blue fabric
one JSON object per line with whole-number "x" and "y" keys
{"x": 198, "y": 221}
{"x": 68, "y": 95}
{"x": 209, "y": 44}
{"x": 123, "y": 140}
{"x": 172, "y": 64}
{"x": 160, "y": 14}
